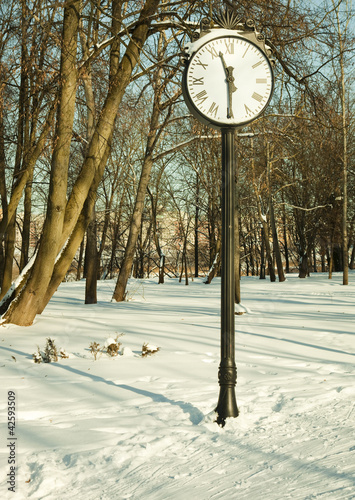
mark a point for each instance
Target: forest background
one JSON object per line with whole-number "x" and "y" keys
{"x": 104, "y": 173}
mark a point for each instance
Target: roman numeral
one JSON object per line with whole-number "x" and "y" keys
{"x": 213, "y": 109}
{"x": 212, "y": 51}
{"x": 199, "y": 63}
{"x": 201, "y": 96}
{"x": 261, "y": 80}
{"x": 197, "y": 81}
{"x": 229, "y": 47}
{"x": 257, "y": 97}
{"x": 247, "y": 110}
{"x": 256, "y": 64}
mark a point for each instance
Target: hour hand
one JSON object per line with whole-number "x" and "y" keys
{"x": 229, "y": 74}
{"x": 230, "y": 85}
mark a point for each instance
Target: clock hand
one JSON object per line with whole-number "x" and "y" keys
{"x": 229, "y": 73}
{"x": 223, "y": 61}
{"x": 230, "y": 83}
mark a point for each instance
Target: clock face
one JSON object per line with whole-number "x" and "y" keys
{"x": 228, "y": 81}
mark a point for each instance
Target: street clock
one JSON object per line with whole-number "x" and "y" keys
{"x": 228, "y": 79}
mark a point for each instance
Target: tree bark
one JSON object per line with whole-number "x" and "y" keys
{"x": 32, "y": 294}
{"x": 91, "y": 264}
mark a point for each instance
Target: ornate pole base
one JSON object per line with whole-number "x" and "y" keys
{"x": 227, "y": 404}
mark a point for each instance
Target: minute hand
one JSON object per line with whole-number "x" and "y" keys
{"x": 230, "y": 83}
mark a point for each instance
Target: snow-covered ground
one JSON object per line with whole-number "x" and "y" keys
{"x": 138, "y": 428}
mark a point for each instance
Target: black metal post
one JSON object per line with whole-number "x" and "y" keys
{"x": 227, "y": 374}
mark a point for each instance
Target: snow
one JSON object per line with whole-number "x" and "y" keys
{"x": 128, "y": 427}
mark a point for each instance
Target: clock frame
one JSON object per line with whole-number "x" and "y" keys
{"x": 228, "y": 79}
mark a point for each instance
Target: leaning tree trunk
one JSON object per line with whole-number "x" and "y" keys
{"x": 32, "y": 294}
{"x": 126, "y": 267}
{"x": 93, "y": 166}
{"x": 125, "y": 271}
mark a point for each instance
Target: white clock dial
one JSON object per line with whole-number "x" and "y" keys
{"x": 229, "y": 81}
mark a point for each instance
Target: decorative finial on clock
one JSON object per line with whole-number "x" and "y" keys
{"x": 227, "y": 18}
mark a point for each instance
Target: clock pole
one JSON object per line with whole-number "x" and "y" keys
{"x": 227, "y": 374}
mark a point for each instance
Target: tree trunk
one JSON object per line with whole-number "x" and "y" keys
{"x": 8, "y": 257}
{"x": 331, "y": 260}
{"x": 91, "y": 264}
{"x": 80, "y": 261}
{"x": 262, "y": 255}
{"x": 10, "y": 231}
{"x": 26, "y": 228}
{"x": 68, "y": 253}
{"x": 156, "y": 237}
{"x": 263, "y": 220}
{"x": 125, "y": 271}
{"x": 26, "y": 172}
{"x": 216, "y": 264}
{"x": 186, "y": 272}
{"x": 32, "y": 294}
{"x": 153, "y": 135}
{"x": 161, "y": 268}
{"x": 287, "y": 260}
{"x": 352, "y": 258}
{"x": 93, "y": 164}
{"x": 275, "y": 240}
{"x": 315, "y": 269}
{"x": 303, "y": 266}
{"x": 276, "y": 245}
